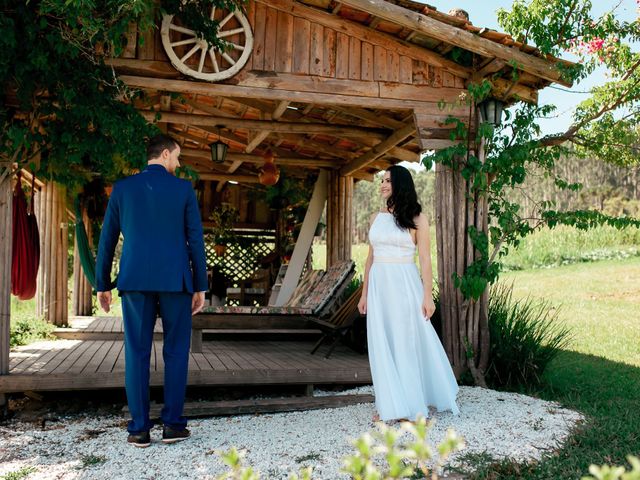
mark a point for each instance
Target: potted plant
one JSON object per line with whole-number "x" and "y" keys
{"x": 223, "y": 219}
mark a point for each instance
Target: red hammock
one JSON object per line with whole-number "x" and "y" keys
{"x": 26, "y": 245}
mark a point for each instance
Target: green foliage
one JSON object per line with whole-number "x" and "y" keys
{"x": 525, "y": 338}
{"x": 223, "y": 219}
{"x": 607, "y": 472}
{"x": 88, "y": 461}
{"x": 565, "y": 245}
{"x": 379, "y": 456}
{"x": 27, "y": 330}
{"x": 64, "y": 113}
{"x": 24, "y": 472}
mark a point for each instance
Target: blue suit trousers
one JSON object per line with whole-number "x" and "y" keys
{"x": 140, "y": 310}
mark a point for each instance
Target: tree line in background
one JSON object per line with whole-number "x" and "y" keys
{"x": 606, "y": 187}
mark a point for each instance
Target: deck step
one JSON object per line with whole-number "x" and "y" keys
{"x": 266, "y": 405}
{"x": 84, "y": 334}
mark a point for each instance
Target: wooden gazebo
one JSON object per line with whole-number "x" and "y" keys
{"x": 346, "y": 88}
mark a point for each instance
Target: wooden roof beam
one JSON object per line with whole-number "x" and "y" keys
{"x": 258, "y": 125}
{"x": 379, "y": 150}
{"x": 447, "y": 33}
{"x": 392, "y": 96}
{"x": 229, "y": 178}
{"x": 260, "y": 136}
{"x": 363, "y": 114}
{"x": 259, "y": 160}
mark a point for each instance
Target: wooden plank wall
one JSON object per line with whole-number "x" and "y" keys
{"x": 285, "y": 43}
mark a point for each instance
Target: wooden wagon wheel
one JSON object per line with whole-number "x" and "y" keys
{"x": 182, "y": 46}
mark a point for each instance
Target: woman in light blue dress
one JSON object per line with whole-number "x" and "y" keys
{"x": 409, "y": 366}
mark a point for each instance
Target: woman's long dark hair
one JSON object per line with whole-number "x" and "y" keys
{"x": 404, "y": 199}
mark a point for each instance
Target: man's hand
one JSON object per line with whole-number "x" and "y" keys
{"x": 197, "y": 302}
{"x": 104, "y": 298}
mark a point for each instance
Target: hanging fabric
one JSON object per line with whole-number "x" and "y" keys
{"x": 26, "y": 244}
{"x": 87, "y": 260}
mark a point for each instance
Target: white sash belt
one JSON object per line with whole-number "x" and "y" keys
{"x": 393, "y": 259}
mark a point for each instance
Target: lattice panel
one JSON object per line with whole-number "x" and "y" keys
{"x": 240, "y": 260}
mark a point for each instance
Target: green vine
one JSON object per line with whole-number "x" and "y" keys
{"x": 64, "y": 113}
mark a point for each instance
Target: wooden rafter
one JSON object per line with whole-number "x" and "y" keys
{"x": 379, "y": 150}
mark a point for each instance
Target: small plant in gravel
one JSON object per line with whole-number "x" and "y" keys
{"x": 607, "y": 472}
{"x": 24, "y": 472}
{"x": 379, "y": 456}
{"x": 91, "y": 461}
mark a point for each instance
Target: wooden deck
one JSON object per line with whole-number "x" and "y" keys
{"x": 95, "y": 364}
{"x": 111, "y": 328}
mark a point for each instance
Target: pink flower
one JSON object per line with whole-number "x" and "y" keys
{"x": 595, "y": 45}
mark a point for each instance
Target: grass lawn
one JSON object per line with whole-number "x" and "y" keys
{"x": 599, "y": 374}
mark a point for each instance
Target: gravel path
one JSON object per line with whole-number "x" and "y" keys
{"x": 501, "y": 424}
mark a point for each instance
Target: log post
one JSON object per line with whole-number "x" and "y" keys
{"x": 6, "y": 214}
{"x": 82, "y": 293}
{"x": 339, "y": 221}
{"x": 52, "y": 279}
{"x": 465, "y": 325}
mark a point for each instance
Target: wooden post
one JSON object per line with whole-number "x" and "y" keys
{"x": 339, "y": 221}
{"x": 305, "y": 240}
{"x": 6, "y": 214}
{"x": 464, "y": 322}
{"x": 52, "y": 279}
{"x": 82, "y": 293}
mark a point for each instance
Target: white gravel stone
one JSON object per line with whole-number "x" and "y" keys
{"x": 504, "y": 425}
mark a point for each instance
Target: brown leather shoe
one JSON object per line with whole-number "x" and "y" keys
{"x": 171, "y": 435}
{"x": 140, "y": 440}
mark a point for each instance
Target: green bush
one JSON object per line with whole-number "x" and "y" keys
{"x": 616, "y": 473}
{"x": 27, "y": 330}
{"x": 525, "y": 337}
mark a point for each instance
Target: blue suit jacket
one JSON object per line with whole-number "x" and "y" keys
{"x": 163, "y": 248}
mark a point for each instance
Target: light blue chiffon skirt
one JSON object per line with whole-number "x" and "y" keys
{"x": 409, "y": 366}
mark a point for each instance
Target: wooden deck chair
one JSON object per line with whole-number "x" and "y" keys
{"x": 315, "y": 296}
{"x": 339, "y": 324}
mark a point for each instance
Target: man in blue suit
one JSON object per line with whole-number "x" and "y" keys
{"x": 162, "y": 270}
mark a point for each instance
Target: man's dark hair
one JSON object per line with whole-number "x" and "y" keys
{"x": 157, "y": 144}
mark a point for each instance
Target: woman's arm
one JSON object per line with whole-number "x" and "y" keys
{"x": 362, "y": 304}
{"x": 424, "y": 256}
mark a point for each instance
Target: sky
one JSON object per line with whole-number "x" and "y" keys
{"x": 482, "y": 13}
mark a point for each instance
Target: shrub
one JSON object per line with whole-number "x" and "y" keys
{"x": 616, "y": 473}
{"x": 26, "y": 330}
{"x": 524, "y": 338}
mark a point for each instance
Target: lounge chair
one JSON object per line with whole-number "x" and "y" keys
{"x": 315, "y": 297}
{"x": 338, "y": 325}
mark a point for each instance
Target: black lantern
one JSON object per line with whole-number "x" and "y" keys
{"x": 491, "y": 111}
{"x": 218, "y": 150}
